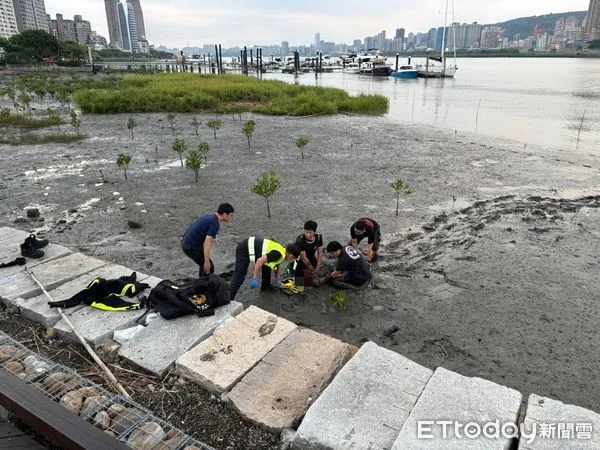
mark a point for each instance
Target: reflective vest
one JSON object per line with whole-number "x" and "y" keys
{"x": 258, "y": 247}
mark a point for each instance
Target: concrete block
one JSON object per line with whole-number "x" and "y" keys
{"x": 279, "y": 390}
{"x": 51, "y": 274}
{"x": 366, "y": 404}
{"x": 223, "y": 359}
{"x": 459, "y": 400}
{"x": 51, "y": 252}
{"x": 156, "y": 347}
{"x": 12, "y": 234}
{"x": 552, "y": 425}
{"x": 37, "y": 308}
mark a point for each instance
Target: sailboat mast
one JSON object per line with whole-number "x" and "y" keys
{"x": 443, "y": 52}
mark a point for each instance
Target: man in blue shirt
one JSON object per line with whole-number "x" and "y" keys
{"x": 198, "y": 240}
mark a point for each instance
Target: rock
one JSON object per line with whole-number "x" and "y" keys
{"x": 146, "y": 436}
{"x": 6, "y": 351}
{"x": 110, "y": 433}
{"x": 72, "y": 210}
{"x": 89, "y": 391}
{"x": 50, "y": 333}
{"x": 58, "y": 382}
{"x": 133, "y": 224}
{"x": 287, "y": 437}
{"x": 61, "y": 221}
{"x": 72, "y": 401}
{"x": 14, "y": 367}
{"x": 33, "y": 213}
{"x": 21, "y": 220}
{"x": 173, "y": 439}
{"x": 102, "y": 421}
{"x": 35, "y": 366}
{"x": 122, "y": 207}
{"x": 123, "y": 422}
{"x": 92, "y": 403}
{"x": 115, "y": 409}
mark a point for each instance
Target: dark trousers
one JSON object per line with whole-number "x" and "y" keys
{"x": 242, "y": 261}
{"x": 375, "y": 241}
{"x": 197, "y": 255}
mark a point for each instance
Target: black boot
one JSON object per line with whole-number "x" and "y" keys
{"x": 35, "y": 242}
{"x": 28, "y": 250}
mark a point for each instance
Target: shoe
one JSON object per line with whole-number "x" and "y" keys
{"x": 36, "y": 242}
{"x": 29, "y": 251}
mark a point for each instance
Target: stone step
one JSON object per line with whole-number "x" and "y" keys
{"x": 51, "y": 273}
{"x": 278, "y": 391}
{"x": 459, "y": 400}
{"x": 156, "y": 347}
{"x": 51, "y": 251}
{"x": 366, "y": 404}
{"x": 37, "y": 308}
{"x": 223, "y": 359}
{"x": 96, "y": 325}
{"x": 12, "y": 234}
{"x": 552, "y": 425}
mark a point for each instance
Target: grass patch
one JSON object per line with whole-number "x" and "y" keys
{"x": 33, "y": 139}
{"x": 222, "y": 94}
{"x": 19, "y": 121}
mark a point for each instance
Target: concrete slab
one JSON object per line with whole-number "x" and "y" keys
{"x": 37, "y": 308}
{"x": 550, "y": 424}
{"x": 12, "y": 234}
{"x": 458, "y": 400}
{"x": 156, "y": 347}
{"x": 279, "y": 390}
{"x": 366, "y": 404}
{"x": 51, "y": 252}
{"x": 51, "y": 274}
{"x": 223, "y": 359}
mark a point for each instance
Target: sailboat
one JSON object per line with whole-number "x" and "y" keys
{"x": 436, "y": 66}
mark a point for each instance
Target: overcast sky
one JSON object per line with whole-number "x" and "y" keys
{"x": 246, "y": 22}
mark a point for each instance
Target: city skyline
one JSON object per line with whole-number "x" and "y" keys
{"x": 268, "y": 22}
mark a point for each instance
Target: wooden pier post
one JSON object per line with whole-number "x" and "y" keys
{"x": 397, "y": 58}
{"x": 221, "y": 60}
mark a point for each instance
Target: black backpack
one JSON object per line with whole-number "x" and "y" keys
{"x": 199, "y": 297}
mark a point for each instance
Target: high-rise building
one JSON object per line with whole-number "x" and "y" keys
{"x": 559, "y": 29}
{"x": 114, "y": 27}
{"x": 473, "y": 35}
{"x": 491, "y": 37}
{"x": 31, "y": 15}
{"x": 285, "y": 48}
{"x": 83, "y": 30}
{"x": 8, "y": 20}
{"x": 139, "y": 19}
{"x": 592, "y": 26}
{"x": 124, "y": 26}
{"x": 63, "y": 29}
{"x": 317, "y": 41}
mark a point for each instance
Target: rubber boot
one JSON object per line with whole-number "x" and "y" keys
{"x": 29, "y": 251}
{"x": 37, "y": 243}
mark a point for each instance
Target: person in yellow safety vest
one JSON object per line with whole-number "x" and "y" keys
{"x": 266, "y": 255}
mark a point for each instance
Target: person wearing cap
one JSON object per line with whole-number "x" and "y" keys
{"x": 366, "y": 228}
{"x": 267, "y": 255}
{"x": 351, "y": 270}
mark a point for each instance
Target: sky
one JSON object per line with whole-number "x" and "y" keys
{"x": 181, "y": 23}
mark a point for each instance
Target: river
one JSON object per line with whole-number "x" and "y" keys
{"x": 539, "y": 101}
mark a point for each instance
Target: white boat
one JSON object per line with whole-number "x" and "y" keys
{"x": 374, "y": 64}
{"x": 352, "y": 67}
{"x": 437, "y": 67}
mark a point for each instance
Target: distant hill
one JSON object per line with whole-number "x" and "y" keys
{"x": 524, "y": 26}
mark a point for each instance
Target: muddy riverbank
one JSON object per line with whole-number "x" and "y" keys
{"x": 489, "y": 270}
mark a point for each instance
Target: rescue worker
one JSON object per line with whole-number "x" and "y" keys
{"x": 266, "y": 255}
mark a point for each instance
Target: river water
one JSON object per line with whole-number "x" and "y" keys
{"x": 538, "y": 101}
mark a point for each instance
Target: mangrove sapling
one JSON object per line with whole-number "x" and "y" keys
{"x": 196, "y": 124}
{"x": 75, "y": 121}
{"x": 54, "y": 118}
{"x": 171, "y": 119}
{"x": 401, "y": 188}
{"x": 196, "y": 159}
{"x": 103, "y": 177}
{"x": 302, "y": 142}
{"x": 214, "y": 125}
{"x": 123, "y": 161}
{"x": 266, "y": 186}
{"x": 248, "y": 129}
{"x": 131, "y": 124}
{"x": 25, "y": 99}
{"x": 179, "y": 146}
{"x": 581, "y": 125}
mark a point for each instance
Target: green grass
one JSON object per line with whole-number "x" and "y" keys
{"x": 33, "y": 139}
{"x": 222, "y": 94}
{"x": 16, "y": 120}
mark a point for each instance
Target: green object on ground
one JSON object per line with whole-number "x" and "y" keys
{"x": 339, "y": 300}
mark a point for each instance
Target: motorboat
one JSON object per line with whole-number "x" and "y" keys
{"x": 405, "y": 72}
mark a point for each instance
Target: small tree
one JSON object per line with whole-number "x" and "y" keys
{"x": 55, "y": 118}
{"x": 248, "y": 129}
{"x": 75, "y": 121}
{"x": 214, "y": 125}
{"x": 197, "y": 158}
{"x": 63, "y": 97}
{"x": 401, "y": 188}
{"x": 131, "y": 124}
{"x": 301, "y": 142}
{"x": 179, "y": 147}
{"x": 123, "y": 161}
{"x": 25, "y": 99}
{"x": 266, "y": 186}
{"x": 196, "y": 124}
{"x": 171, "y": 119}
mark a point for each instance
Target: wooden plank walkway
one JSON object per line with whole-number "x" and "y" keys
{"x": 13, "y": 438}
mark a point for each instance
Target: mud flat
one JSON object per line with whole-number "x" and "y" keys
{"x": 490, "y": 269}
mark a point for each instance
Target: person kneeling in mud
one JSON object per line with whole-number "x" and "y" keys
{"x": 351, "y": 270}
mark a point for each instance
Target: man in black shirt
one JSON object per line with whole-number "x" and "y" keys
{"x": 368, "y": 228}
{"x": 351, "y": 269}
{"x": 311, "y": 255}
